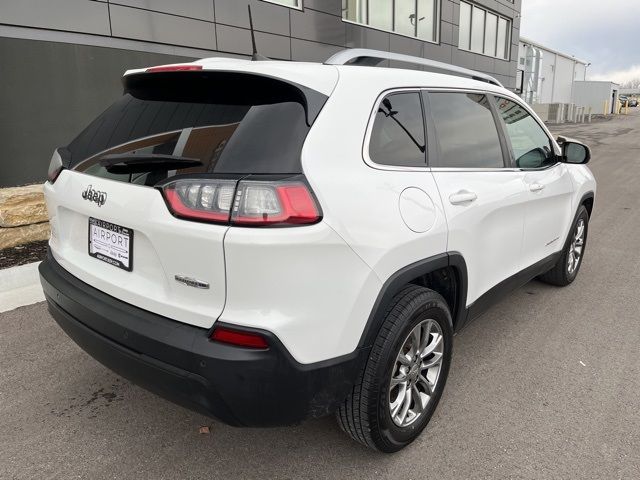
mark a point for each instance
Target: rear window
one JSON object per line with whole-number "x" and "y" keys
{"x": 226, "y": 123}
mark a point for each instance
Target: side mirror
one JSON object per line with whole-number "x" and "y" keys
{"x": 573, "y": 151}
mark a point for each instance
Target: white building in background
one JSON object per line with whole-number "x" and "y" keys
{"x": 596, "y": 96}
{"x": 546, "y": 76}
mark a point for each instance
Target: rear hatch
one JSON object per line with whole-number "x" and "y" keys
{"x": 142, "y": 205}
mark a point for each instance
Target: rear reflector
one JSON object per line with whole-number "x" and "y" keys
{"x": 174, "y": 68}
{"x": 239, "y": 338}
{"x": 253, "y": 203}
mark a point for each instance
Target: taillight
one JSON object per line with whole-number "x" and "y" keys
{"x": 174, "y": 68}
{"x": 239, "y": 338}
{"x": 266, "y": 203}
{"x": 252, "y": 203}
{"x": 201, "y": 199}
{"x": 55, "y": 166}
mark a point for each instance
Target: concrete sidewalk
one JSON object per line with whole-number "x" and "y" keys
{"x": 20, "y": 286}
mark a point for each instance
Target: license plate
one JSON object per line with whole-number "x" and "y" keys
{"x": 111, "y": 243}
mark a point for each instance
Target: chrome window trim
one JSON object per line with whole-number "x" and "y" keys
{"x": 509, "y": 169}
{"x": 398, "y": 168}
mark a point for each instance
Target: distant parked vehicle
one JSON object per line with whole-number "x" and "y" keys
{"x": 625, "y": 101}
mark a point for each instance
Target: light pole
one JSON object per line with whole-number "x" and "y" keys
{"x": 585, "y": 70}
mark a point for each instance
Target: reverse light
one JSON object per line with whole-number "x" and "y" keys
{"x": 266, "y": 203}
{"x": 55, "y": 166}
{"x": 253, "y": 203}
{"x": 174, "y": 68}
{"x": 239, "y": 338}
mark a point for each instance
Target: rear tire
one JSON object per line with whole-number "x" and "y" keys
{"x": 566, "y": 269}
{"x": 397, "y": 374}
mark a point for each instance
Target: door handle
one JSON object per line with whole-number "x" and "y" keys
{"x": 462, "y": 197}
{"x": 536, "y": 187}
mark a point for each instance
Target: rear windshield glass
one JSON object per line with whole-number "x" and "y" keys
{"x": 225, "y": 123}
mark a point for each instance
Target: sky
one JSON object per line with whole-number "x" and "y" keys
{"x": 603, "y": 32}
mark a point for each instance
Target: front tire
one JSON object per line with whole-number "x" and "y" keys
{"x": 566, "y": 270}
{"x": 402, "y": 381}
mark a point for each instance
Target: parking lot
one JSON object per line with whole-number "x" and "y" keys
{"x": 545, "y": 385}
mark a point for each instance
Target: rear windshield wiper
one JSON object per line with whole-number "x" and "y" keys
{"x": 145, "y": 162}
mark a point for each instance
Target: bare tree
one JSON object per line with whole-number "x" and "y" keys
{"x": 634, "y": 83}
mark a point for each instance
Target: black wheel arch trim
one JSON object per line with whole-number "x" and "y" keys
{"x": 405, "y": 275}
{"x": 587, "y": 196}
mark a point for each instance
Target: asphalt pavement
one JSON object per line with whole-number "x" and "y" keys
{"x": 545, "y": 385}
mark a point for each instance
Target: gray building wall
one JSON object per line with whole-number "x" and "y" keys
{"x": 62, "y": 60}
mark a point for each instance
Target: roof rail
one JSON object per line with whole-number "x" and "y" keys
{"x": 367, "y": 57}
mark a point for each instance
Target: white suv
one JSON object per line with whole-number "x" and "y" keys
{"x": 270, "y": 241}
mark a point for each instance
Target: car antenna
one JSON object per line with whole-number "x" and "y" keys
{"x": 255, "y": 57}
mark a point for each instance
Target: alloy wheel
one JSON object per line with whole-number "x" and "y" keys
{"x": 576, "y": 247}
{"x": 416, "y": 373}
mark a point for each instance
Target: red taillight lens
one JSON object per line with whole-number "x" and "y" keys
{"x": 174, "y": 68}
{"x": 239, "y": 338}
{"x": 201, "y": 199}
{"x": 266, "y": 203}
{"x": 253, "y": 203}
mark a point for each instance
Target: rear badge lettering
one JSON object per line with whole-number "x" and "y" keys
{"x": 95, "y": 196}
{"x": 191, "y": 282}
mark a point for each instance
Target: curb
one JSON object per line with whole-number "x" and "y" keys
{"x": 20, "y": 286}
{"x": 18, "y": 277}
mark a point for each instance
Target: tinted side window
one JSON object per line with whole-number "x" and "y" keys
{"x": 466, "y": 131}
{"x": 531, "y": 145}
{"x": 397, "y": 136}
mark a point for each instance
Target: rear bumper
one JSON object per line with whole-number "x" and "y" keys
{"x": 239, "y": 386}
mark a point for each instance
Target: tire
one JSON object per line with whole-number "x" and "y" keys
{"x": 366, "y": 414}
{"x": 562, "y": 274}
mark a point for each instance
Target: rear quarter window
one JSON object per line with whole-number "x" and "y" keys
{"x": 397, "y": 134}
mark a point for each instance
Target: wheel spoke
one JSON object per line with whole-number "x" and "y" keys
{"x": 398, "y": 402}
{"x": 432, "y": 362}
{"x": 422, "y": 380}
{"x": 415, "y": 341}
{"x": 435, "y": 343}
{"x": 405, "y": 406}
{"x": 425, "y": 335}
{"x": 402, "y": 379}
{"x": 404, "y": 359}
{"x": 418, "y": 406}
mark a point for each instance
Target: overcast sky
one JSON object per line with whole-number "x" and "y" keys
{"x": 603, "y": 32}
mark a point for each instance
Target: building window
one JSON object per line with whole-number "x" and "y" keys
{"x": 413, "y": 18}
{"x": 287, "y": 3}
{"x": 483, "y": 31}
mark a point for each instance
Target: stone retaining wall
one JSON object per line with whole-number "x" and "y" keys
{"x": 23, "y": 216}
